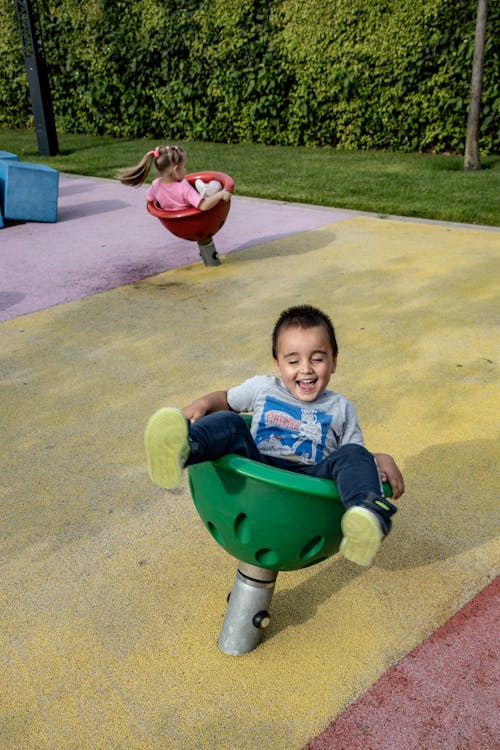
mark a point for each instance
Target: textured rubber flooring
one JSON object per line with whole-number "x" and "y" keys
{"x": 113, "y": 593}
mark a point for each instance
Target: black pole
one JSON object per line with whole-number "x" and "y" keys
{"x": 38, "y": 80}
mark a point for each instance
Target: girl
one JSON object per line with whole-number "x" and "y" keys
{"x": 170, "y": 190}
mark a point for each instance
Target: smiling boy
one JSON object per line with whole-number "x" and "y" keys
{"x": 297, "y": 424}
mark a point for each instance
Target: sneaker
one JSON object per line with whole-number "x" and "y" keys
{"x": 200, "y": 186}
{"x": 167, "y": 447}
{"x": 362, "y": 535}
{"x": 207, "y": 188}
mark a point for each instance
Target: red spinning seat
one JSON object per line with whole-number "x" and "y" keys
{"x": 191, "y": 223}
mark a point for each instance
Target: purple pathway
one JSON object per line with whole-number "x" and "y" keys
{"x": 104, "y": 238}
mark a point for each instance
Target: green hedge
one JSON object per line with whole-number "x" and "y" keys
{"x": 392, "y": 74}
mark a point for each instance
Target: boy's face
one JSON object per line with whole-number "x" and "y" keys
{"x": 305, "y": 361}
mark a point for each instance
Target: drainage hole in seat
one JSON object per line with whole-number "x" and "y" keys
{"x": 312, "y": 548}
{"x": 267, "y": 556}
{"x": 215, "y": 533}
{"x": 242, "y": 528}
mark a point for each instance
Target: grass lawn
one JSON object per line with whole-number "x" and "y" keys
{"x": 420, "y": 185}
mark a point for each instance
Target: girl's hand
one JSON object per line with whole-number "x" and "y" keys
{"x": 212, "y": 200}
{"x": 390, "y": 473}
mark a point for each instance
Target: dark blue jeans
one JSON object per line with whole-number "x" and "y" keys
{"x": 352, "y": 467}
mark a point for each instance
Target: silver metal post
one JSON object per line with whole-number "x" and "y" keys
{"x": 208, "y": 253}
{"x": 247, "y": 613}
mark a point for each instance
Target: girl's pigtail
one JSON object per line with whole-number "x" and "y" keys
{"x": 137, "y": 175}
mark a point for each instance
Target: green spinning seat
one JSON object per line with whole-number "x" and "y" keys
{"x": 270, "y": 520}
{"x": 265, "y": 516}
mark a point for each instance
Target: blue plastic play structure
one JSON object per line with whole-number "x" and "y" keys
{"x": 28, "y": 192}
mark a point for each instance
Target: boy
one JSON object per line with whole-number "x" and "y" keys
{"x": 297, "y": 424}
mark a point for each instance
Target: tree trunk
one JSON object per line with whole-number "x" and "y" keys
{"x": 471, "y": 159}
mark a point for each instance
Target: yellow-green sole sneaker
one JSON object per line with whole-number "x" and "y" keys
{"x": 166, "y": 441}
{"x": 362, "y": 535}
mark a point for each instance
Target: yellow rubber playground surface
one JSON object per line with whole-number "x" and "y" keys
{"x": 112, "y": 592}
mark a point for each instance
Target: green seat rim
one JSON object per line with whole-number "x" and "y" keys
{"x": 280, "y": 478}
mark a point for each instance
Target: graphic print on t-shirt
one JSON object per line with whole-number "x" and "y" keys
{"x": 297, "y": 433}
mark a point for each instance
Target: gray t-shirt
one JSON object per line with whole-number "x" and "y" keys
{"x": 284, "y": 427}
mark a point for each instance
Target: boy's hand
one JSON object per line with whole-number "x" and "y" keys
{"x": 216, "y": 401}
{"x": 390, "y": 473}
{"x": 194, "y": 411}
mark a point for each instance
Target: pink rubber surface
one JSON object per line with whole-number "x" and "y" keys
{"x": 444, "y": 694}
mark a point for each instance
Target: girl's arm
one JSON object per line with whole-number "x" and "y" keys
{"x": 212, "y": 200}
{"x": 216, "y": 401}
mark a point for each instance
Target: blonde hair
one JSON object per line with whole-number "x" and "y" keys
{"x": 165, "y": 158}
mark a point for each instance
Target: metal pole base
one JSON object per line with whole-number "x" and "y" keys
{"x": 247, "y": 613}
{"x": 208, "y": 253}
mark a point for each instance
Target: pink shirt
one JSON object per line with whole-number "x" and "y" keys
{"x": 173, "y": 196}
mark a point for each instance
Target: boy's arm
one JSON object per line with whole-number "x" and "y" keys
{"x": 390, "y": 473}
{"x": 216, "y": 401}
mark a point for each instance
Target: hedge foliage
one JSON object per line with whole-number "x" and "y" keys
{"x": 356, "y": 74}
